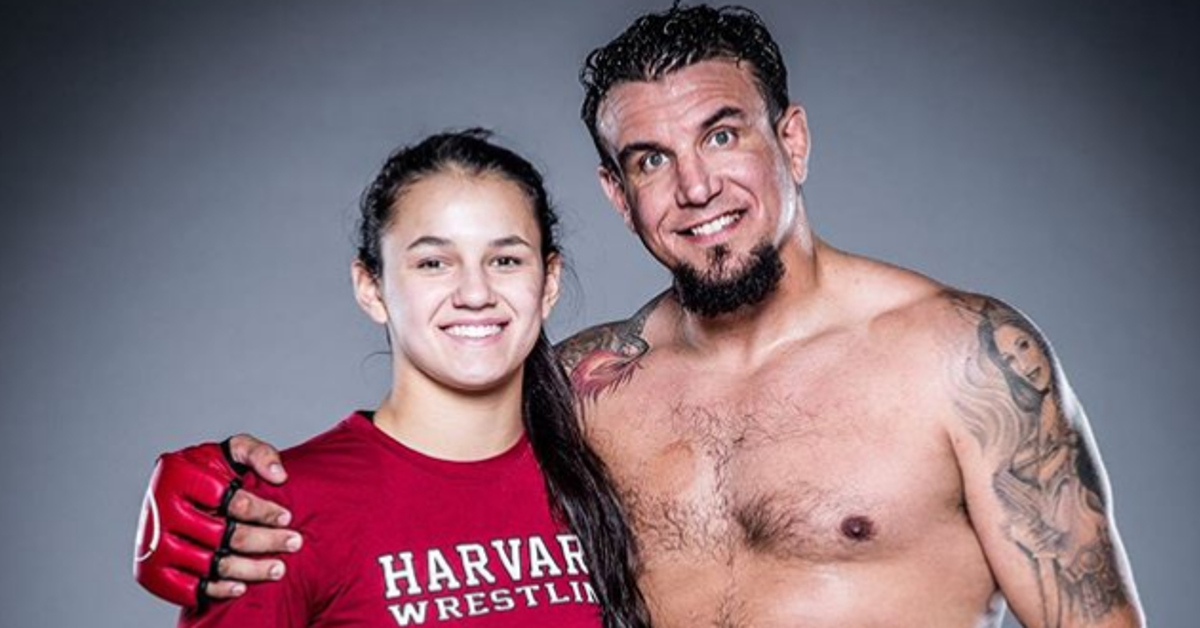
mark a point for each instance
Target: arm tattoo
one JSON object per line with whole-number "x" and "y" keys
{"x": 604, "y": 357}
{"x": 1015, "y": 402}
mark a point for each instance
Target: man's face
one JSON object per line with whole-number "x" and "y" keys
{"x": 705, "y": 179}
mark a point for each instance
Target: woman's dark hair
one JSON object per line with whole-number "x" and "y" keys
{"x": 1024, "y": 394}
{"x": 657, "y": 44}
{"x": 581, "y": 491}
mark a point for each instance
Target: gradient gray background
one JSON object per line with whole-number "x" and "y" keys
{"x": 178, "y": 183}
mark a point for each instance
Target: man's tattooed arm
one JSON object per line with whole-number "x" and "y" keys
{"x": 604, "y": 357}
{"x": 1035, "y": 488}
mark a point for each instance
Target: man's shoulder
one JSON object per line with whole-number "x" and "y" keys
{"x": 602, "y": 358}
{"x": 973, "y": 319}
{"x": 944, "y": 314}
{"x": 625, "y": 337}
{"x": 959, "y": 313}
{"x": 952, "y": 329}
{"x": 887, "y": 293}
{"x": 902, "y": 304}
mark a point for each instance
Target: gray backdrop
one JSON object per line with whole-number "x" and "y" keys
{"x": 178, "y": 183}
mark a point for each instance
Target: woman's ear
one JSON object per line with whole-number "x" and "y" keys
{"x": 553, "y": 284}
{"x": 368, "y": 292}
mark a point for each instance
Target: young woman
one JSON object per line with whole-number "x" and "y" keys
{"x": 469, "y": 497}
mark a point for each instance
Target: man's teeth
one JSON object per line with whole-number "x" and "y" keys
{"x": 714, "y": 225}
{"x": 473, "y": 331}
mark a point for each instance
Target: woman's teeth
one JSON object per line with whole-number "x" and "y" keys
{"x": 473, "y": 331}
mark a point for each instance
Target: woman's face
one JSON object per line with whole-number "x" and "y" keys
{"x": 1024, "y": 356}
{"x": 464, "y": 289}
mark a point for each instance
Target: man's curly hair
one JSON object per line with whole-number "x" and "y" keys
{"x": 657, "y": 44}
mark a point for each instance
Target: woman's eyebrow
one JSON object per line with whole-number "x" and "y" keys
{"x": 512, "y": 240}
{"x": 428, "y": 241}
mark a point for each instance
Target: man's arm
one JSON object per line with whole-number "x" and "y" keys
{"x": 1035, "y": 488}
{"x": 196, "y": 522}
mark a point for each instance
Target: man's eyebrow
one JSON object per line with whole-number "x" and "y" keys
{"x": 722, "y": 113}
{"x": 428, "y": 241}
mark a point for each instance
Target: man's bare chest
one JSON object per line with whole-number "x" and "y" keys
{"x": 834, "y": 466}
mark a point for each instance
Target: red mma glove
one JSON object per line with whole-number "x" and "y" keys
{"x": 183, "y": 530}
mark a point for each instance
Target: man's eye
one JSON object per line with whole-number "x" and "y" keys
{"x": 507, "y": 261}
{"x": 653, "y": 161}
{"x": 431, "y": 264}
{"x": 723, "y": 137}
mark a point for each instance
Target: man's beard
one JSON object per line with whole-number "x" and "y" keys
{"x": 707, "y": 294}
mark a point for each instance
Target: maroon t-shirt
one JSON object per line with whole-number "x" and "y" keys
{"x": 395, "y": 538}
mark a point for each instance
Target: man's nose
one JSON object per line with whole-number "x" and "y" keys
{"x": 695, "y": 184}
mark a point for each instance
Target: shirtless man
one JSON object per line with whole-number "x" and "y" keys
{"x": 803, "y": 437}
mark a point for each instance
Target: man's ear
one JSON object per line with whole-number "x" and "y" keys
{"x": 792, "y": 131}
{"x": 368, "y": 293}
{"x": 553, "y": 286}
{"x": 614, "y": 189}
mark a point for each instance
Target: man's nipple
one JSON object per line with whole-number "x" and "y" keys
{"x": 858, "y": 528}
